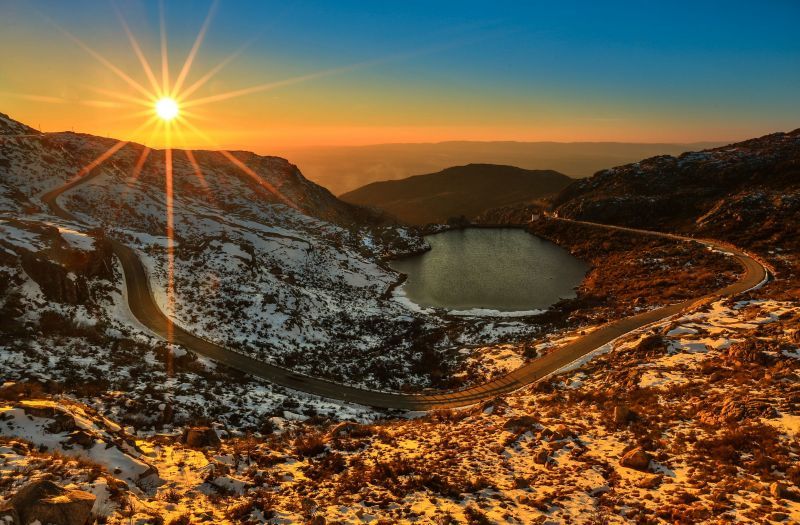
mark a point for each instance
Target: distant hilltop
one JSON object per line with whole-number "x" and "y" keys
{"x": 459, "y": 191}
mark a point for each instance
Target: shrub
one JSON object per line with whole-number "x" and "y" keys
{"x": 309, "y": 445}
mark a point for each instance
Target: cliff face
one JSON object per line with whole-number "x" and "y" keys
{"x": 63, "y": 270}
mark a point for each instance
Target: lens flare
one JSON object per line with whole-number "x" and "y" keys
{"x": 167, "y": 108}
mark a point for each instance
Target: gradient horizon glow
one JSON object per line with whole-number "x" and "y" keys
{"x": 350, "y": 73}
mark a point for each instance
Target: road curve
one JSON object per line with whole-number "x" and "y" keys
{"x": 145, "y": 309}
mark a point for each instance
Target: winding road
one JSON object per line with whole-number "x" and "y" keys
{"x": 145, "y": 309}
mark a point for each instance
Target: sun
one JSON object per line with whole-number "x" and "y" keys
{"x": 167, "y": 108}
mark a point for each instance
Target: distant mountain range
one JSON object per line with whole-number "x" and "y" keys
{"x": 345, "y": 168}
{"x": 457, "y": 191}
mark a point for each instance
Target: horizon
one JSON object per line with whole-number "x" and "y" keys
{"x": 430, "y": 143}
{"x": 310, "y": 76}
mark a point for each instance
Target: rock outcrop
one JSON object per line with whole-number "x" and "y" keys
{"x": 46, "y": 502}
{"x": 63, "y": 272}
{"x": 200, "y": 437}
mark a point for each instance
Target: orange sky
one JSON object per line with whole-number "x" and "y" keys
{"x": 352, "y": 76}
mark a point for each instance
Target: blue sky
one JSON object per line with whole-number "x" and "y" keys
{"x": 650, "y": 71}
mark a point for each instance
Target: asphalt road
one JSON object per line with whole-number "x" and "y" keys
{"x": 144, "y": 308}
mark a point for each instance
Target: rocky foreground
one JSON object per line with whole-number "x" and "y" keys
{"x": 695, "y": 420}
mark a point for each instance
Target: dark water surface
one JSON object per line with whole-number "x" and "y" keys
{"x": 493, "y": 268}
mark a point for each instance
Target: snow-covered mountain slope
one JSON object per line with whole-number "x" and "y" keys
{"x": 259, "y": 259}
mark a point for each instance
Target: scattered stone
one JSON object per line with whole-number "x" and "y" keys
{"x": 637, "y": 459}
{"x": 200, "y": 437}
{"x": 520, "y": 422}
{"x": 542, "y": 456}
{"x": 46, "y": 502}
{"x": 650, "y": 481}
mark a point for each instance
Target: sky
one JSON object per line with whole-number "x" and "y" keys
{"x": 352, "y": 73}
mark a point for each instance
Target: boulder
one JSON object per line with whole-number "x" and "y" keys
{"x": 200, "y": 437}
{"x": 733, "y": 410}
{"x": 62, "y": 272}
{"x": 56, "y": 282}
{"x": 561, "y": 432}
{"x": 738, "y": 409}
{"x": 778, "y": 490}
{"x": 40, "y": 408}
{"x": 650, "y": 481}
{"x": 11, "y": 391}
{"x": 637, "y": 459}
{"x": 62, "y": 423}
{"x": 622, "y": 414}
{"x": 81, "y": 438}
{"x": 48, "y": 503}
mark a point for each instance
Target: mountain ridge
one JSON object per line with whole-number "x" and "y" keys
{"x": 457, "y": 191}
{"x": 747, "y": 192}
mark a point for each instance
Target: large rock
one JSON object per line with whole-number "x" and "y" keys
{"x": 200, "y": 437}
{"x": 622, "y": 414}
{"x": 637, "y": 459}
{"x": 650, "y": 481}
{"x": 542, "y": 456}
{"x": 778, "y": 490}
{"x": 48, "y": 503}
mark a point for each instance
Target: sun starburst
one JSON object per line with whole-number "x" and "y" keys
{"x": 167, "y": 108}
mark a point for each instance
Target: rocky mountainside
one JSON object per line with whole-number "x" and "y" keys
{"x": 229, "y": 180}
{"x": 460, "y": 191}
{"x": 746, "y": 192}
{"x": 258, "y": 258}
